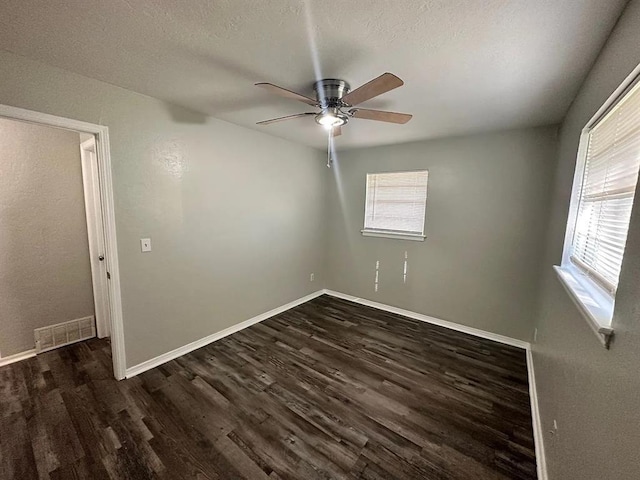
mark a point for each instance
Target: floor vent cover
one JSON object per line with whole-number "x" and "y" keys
{"x": 54, "y": 336}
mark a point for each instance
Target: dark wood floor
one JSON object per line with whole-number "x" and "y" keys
{"x": 329, "y": 389}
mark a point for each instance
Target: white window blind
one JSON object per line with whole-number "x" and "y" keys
{"x": 607, "y": 191}
{"x": 396, "y": 202}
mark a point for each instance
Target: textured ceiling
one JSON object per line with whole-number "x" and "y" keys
{"x": 468, "y": 65}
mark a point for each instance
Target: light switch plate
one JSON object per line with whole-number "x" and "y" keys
{"x": 145, "y": 244}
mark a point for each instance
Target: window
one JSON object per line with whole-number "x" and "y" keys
{"x": 395, "y": 205}
{"x": 601, "y": 205}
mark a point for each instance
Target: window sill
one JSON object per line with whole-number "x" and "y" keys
{"x": 397, "y": 235}
{"x": 592, "y": 302}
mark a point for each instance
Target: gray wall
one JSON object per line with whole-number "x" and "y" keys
{"x": 592, "y": 392}
{"x": 45, "y": 275}
{"x": 487, "y": 211}
{"x": 234, "y": 215}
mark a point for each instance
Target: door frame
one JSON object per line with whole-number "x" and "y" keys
{"x": 95, "y": 234}
{"x": 101, "y": 134}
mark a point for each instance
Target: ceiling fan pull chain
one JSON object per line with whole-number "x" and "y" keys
{"x": 329, "y": 145}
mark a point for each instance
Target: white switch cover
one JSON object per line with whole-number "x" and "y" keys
{"x": 145, "y": 244}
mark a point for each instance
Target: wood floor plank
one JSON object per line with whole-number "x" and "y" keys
{"x": 327, "y": 390}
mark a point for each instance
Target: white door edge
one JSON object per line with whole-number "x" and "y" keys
{"x": 95, "y": 233}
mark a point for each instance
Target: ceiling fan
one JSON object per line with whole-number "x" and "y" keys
{"x": 337, "y": 102}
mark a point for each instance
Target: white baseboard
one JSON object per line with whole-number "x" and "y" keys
{"x": 535, "y": 419}
{"x": 17, "y": 357}
{"x": 178, "y": 352}
{"x": 514, "y": 342}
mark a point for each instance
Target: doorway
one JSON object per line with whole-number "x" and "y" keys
{"x": 93, "y": 143}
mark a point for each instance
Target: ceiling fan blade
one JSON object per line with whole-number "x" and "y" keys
{"x": 377, "y": 86}
{"x": 288, "y": 117}
{"x": 381, "y": 116}
{"x": 283, "y": 92}
{"x": 337, "y": 131}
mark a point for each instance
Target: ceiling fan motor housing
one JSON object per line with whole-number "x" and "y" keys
{"x": 330, "y": 91}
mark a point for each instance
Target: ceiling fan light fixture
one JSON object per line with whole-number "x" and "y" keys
{"x": 331, "y": 119}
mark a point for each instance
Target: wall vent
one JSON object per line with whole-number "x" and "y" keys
{"x": 54, "y": 336}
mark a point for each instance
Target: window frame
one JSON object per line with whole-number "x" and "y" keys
{"x": 394, "y": 234}
{"x": 594, "y": 302}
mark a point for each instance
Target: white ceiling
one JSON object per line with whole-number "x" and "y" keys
{"x": 468, "y": 65}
